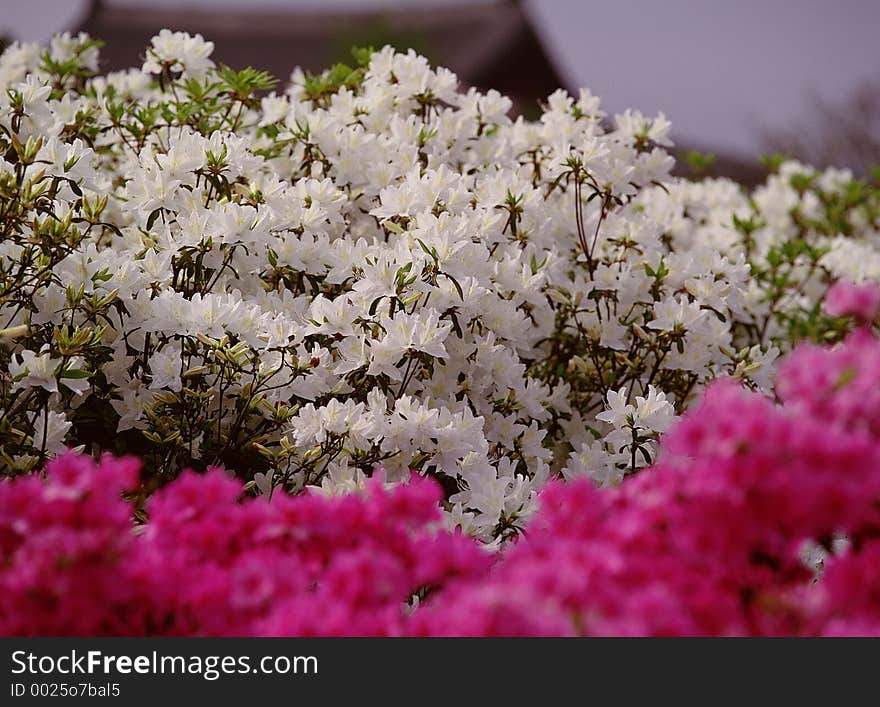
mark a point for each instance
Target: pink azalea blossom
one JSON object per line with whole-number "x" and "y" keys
{"x": 846, "y": 299}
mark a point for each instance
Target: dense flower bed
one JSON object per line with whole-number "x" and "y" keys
{"x": 372, "y": 268}
{"x": 760, "y": 519}
{"x": 429, "y": 369}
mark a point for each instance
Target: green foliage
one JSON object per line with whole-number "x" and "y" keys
{"x": 700, "y": 163}
{"x": 772, "y": 161}
{"x": 320, "y": 87}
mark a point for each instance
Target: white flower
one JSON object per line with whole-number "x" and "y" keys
{"x": 671, "y": 313}
{"x": 165, "y": 368}
{"x": 130, "y": 408}
{"x": 309, "y": 428}
{"x": 50, "y": 430}
{"x": 35, "y": 371}
{"x": 423, "y": 332}
{"x": 654, "y": 411}
{"x": 617, "y": 409}
{"x": 758, "y": 366}
{"x": 182, "y": 51}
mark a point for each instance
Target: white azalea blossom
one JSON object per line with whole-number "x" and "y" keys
{"x": 50, "y": 429}
{"x": 34, "y": 370}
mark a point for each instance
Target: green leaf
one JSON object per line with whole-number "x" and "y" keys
{"x": 772, "y": 161}
{"x": 393, "y": 227}
{"x": 700, "y": 163}
{"x": 375, "y": 305}
{"x": 432, "y": 252}
{"x": 153, "y": 216}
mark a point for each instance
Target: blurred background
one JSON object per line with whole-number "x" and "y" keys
{"x": 737, "y": 79}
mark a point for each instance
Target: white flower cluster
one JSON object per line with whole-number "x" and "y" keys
{"x": 799, "y": 232}
{"x": 374, "y": 269}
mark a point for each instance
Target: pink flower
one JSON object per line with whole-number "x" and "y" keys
{"x": 68, "y": 557}
{"x": 860, "y": 301}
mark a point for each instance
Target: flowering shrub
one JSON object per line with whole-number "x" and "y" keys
{"x": 207, "y": 565}
{"x": 711, "y": 541}
{"x": 371, "y": 268}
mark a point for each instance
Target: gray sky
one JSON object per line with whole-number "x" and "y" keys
{"x": 719, "y": 69}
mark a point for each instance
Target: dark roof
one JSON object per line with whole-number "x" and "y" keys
{"x": 488, "y": 44}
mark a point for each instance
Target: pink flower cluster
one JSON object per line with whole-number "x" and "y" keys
{"x": 210, "y": 563}
{"x": 300, "y": 566}
{"x": 707, "y": 542}
{"x": 68, "y": 557}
